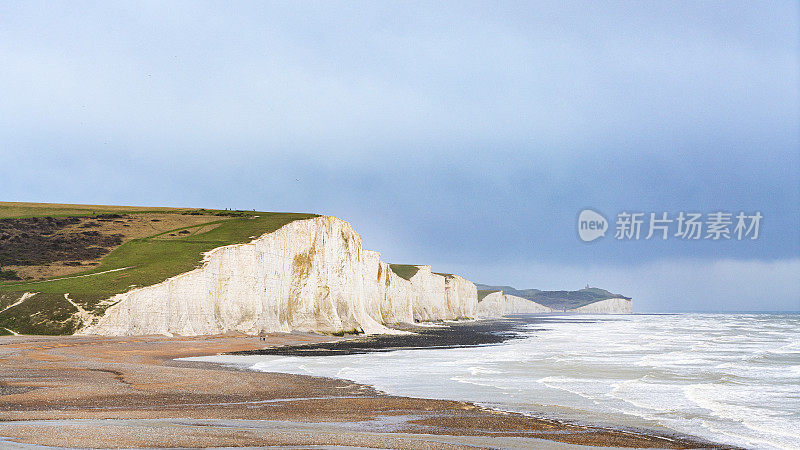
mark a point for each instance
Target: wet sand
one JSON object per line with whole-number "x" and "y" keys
{"x": 451, "y": 334}
{"x": 76, "y": 391}
{"x": 434, "y": 335}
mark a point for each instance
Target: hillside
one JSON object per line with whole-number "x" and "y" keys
{"x": 560, "y": 300}
{"x": 75, "y": 256}
{"x": 120, "y": 270}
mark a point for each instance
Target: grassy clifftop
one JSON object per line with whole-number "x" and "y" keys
{"x": 76, "y": 256}
{"x": 404, "y": 271}
{"x": 482, "y": 293}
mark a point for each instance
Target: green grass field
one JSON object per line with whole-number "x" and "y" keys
{"x": 405, "y": 271}
{"x": 482, "y": 293}
{"x": 18, "y": 210}
{"x": 145, "y": 261}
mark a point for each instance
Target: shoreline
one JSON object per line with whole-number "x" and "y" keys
{"x": 664, "y": 436}
{"x": 131, "y": 391}
{"x": 458, "y": 334}
{"x": 451, "y": 334}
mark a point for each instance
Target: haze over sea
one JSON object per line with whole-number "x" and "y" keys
{"x": 730, "y": 378}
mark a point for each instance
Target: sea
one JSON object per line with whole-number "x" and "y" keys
{"x": 729, "y": 378}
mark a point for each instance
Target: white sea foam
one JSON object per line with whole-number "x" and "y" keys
{"x": 731, "y": 378}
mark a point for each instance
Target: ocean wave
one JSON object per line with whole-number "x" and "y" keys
{"x": 728, "y": 378}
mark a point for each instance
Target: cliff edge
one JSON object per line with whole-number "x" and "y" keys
{"x": 124, "y": 270}
{"x": 309, "y": 275}
{"x": 498, "y": 304}
{"x": 610, "y": 306}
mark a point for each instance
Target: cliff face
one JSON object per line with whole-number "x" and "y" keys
{"x": 610, "y": 306}
{"x": 310, "y": 275}
{"x": 498, "y": 304}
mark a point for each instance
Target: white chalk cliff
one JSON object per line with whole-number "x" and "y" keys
{"x": 498, "y": 304}
{"x": 309, "y": 275}
{"x": 610, "y": 306}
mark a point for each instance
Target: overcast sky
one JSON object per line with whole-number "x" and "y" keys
{"x": 465, "y": 135}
